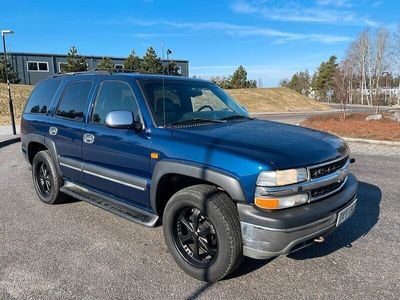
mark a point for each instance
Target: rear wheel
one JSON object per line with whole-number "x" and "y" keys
{"x": 46, "y": 179}
{"x": 202, "y": 231}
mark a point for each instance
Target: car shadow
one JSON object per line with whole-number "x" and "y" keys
{"x": 364, "y": 219}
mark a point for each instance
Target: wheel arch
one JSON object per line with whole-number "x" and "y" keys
{"x": 171, "y": 176}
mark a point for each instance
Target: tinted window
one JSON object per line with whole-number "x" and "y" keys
{"x": 41, "y": 97}
{"x": 114, "y": 95}
{"x": 73, "y": 102}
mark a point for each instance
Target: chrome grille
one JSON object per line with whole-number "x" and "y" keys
{"x": 326, "y": 169}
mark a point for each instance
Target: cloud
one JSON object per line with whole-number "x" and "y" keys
{"x": 324, "y": 12}
{"x": 238, "y": 30}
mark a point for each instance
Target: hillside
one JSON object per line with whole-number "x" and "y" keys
{"x": 255, "y": 100}
{"x": 275, "y": 100}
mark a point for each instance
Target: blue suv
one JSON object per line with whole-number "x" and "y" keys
{"x": 160, "y": 149}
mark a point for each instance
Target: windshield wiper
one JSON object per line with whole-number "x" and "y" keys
{"x": 195, "y": 120}
{"x": 236, "y": 117}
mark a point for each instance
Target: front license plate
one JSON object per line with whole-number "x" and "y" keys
{"x": 345, "y": 213}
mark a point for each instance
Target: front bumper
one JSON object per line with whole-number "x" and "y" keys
{"x": 271, "y": 233}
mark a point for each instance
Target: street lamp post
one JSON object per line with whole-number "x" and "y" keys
{"x": 168, "y": 53}
{"x": 10, "y": 103}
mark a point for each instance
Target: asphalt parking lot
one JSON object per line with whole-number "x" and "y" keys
{"x": 77, "y": 251}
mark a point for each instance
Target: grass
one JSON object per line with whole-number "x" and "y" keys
{"x": 355, "y": 126}
{"x": 19, "y": 93}
{"x": 255, "y": 100}
{"x": 275, "y": 100}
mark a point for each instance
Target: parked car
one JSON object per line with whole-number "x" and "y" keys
{"x": 160, "y": 149}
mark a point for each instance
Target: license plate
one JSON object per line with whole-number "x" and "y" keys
{"x": 345, "y": 213}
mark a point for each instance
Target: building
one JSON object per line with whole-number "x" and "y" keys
{"x": 33, "y": 67}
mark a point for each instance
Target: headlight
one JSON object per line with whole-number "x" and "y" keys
{"x": 279, "y": 178}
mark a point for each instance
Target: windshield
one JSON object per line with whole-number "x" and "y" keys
{"x": 175, "y": 101}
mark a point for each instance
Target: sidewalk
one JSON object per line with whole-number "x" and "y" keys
{"x": 7, "y": 130}
{"x": 6, "y": 136}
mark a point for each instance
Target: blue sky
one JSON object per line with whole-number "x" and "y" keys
{"x": 272, "y": 39}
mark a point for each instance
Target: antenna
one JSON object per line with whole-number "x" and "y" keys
{"x": 163, "y": 88}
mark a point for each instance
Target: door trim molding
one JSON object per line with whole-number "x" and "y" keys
{"x": 135, "y": 182}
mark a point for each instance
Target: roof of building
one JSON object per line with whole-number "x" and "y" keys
{"x": 86, "y": 56}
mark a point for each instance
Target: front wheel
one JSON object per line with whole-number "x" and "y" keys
{"x": 202, "y": 231}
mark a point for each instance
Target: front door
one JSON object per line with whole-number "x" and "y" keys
{"x": 116, "y": 161}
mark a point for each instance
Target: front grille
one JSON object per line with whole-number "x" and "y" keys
{"x": 325, "y": 190}
{"x": 316, "y": 172}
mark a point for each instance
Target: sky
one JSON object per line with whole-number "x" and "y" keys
{"x": 271, "y": 39}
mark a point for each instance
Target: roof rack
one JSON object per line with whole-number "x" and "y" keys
{"x": 107, "y": 71}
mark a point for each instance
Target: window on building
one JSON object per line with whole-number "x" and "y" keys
{"x": 118, "y": 66}
{"x": 114, "y": 95}
{"x": 40, "y": 99}
{"x": 73, "y": 103}
{"x": 38, "y": 66}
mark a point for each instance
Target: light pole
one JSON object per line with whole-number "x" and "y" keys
{"x": 168, "y": 53}
{"x": 3, "y": 33}
{"x": 386, "y": 84}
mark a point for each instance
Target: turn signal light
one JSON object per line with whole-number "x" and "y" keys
{"x": 267, "y": 203}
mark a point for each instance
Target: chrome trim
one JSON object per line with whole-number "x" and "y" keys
{"x": 70, "y": 167}
{"x": 114, "y": 176}
{"x": 312, "y": 184}
{"x": 115, "y": 180}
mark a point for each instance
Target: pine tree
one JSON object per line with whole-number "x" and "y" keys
{"x": 324, "y": 78}
{"x": 132, "y": 62}
{"x": 151, "y": 63}
{"x": 105, "y": 64}
{"x": 12, "y": 75}
{"x": 173, "y": 68}
{"x": 239, "y": 79}
{"x": 75, "y": 62}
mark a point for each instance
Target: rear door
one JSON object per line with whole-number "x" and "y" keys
{"x": 66, "y": 127}
{"x": 117, "y": 161}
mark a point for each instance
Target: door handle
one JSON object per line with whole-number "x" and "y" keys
{"x": 88, "y": 138}
{"x": 53, "y": 130}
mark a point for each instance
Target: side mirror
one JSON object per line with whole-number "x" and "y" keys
{"x": 123, "y": 120}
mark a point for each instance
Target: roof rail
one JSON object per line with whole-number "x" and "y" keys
{"x": 107, "y": 71}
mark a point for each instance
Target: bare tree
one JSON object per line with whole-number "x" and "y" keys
{"x": 341, "y": 86}
{"x": 378, "y": 64}
{"x": 396, "y": 57}
{"x": 360, "y": 51}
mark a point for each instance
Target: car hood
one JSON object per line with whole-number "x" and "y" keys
{"x": 282, "y": 146}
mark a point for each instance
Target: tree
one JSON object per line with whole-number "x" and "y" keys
{"x": 105, "y": 63}
{"x": 341, "y": 87}
{"x": 75, "y": 62}
{"x": 12, "y": 75}
{"x": 172, "y": 68}
{"x": 239, "y": 79}
{"x": 323, "y": 83}
{"x": 300, "y": 82}
{"x": 132, "y": 62}
{"x": 151, "y": 63}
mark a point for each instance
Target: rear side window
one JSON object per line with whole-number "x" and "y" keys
{"x": 41, "y": 97}
{"x": 73, "y": 102}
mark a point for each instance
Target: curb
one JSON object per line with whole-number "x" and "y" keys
{"x": 375, "y": 142}
{"x": 10, "y": 141}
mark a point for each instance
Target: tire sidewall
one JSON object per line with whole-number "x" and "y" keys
{"x": 44, "y": 157}
{"x": 183, "y": 200}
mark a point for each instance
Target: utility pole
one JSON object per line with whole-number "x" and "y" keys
{"x": 168, "y": 53}
{"x": 10, "y": 103}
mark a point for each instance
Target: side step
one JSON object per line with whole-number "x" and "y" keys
{"x": 119, "y": 208}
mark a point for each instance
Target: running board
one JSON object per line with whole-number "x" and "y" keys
{"x": 119, "y": 208}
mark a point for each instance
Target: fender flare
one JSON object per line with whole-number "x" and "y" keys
{"x": 48, "y": 143}
{"x": 226, "y": 181}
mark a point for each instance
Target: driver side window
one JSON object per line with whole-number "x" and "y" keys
{"x": 112, "y": 96}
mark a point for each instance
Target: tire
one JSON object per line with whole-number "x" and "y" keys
{"x": 218, "y": 232}
{"x": 45, "y": 178}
